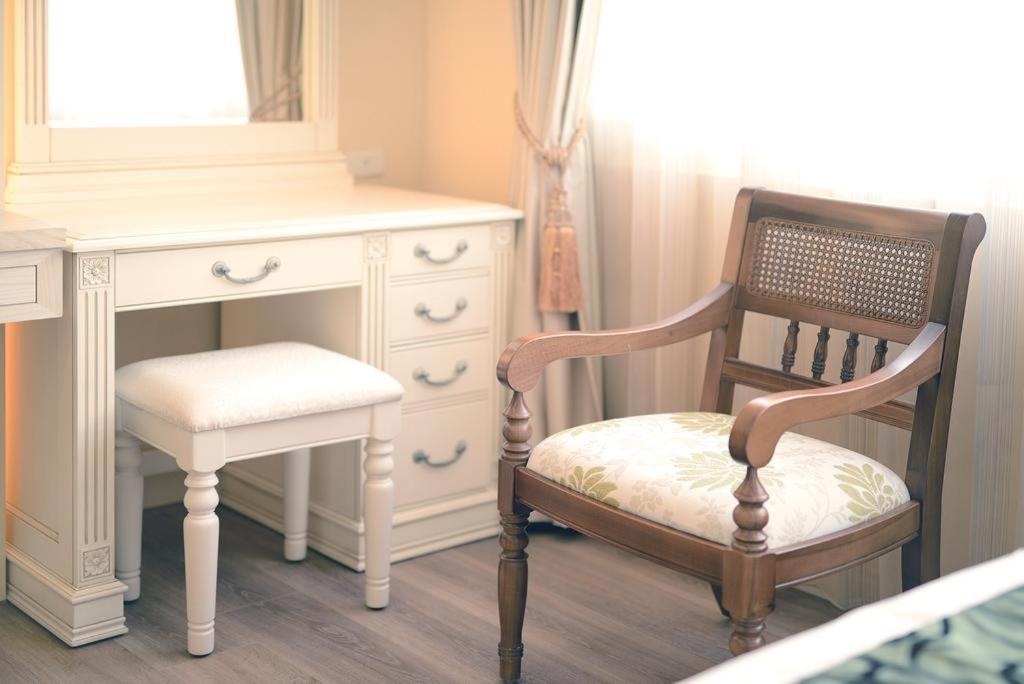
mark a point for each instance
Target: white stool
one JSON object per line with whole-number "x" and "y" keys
{"x": 228, "y": 405}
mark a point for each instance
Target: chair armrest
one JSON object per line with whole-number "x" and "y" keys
{"x": 760, "y": 423}
{"x": 522, "y": 362}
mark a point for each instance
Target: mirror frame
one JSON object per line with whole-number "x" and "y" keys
{"x": 48, "y": 163}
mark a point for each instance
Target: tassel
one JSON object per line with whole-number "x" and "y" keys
{"x": 560, "y": 290}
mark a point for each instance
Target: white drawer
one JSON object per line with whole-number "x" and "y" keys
{"x": 441, "y": 371}
{"x": 31, "y": 284}
{"x": 443, "y": 452}
{"x": 440, "y": 308}
{"x": 441, "y": 249}
{"x": 184, "y": 275}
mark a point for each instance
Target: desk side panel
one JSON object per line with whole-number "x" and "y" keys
{"x": 38, "y": 440}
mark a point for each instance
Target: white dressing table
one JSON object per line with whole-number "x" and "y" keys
{"x": 412, "y": 283}
{"x": 263, "y": 218}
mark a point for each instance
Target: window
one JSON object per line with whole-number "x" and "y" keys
{"x": 125, "y": 63}
{"x": 870, "y": 97}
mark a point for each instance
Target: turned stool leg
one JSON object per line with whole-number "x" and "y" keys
{"x": 296, "y": 503}
{"x": 378, "y": 496}
{"x": 128, "y": 513}
{"x": 202, "y": 530}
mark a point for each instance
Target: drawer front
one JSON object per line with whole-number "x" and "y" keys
{"x": 31, "y": 285}
{"x": 420, "y": 252}
{"x": 440, "y": 371}
{"x": 236, "y": 271}
{"x": 443, "y": 452}
{"x": 440, "y": 308}
{"x": 17, "y": 285}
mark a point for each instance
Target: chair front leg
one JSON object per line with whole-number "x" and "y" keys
{"x": 748, "y": 573}
{"x": 512, "y": 565}
{"x": 512, "y": 583}
{"x": 202, "y": 533}
{"x": 128, "y": 488}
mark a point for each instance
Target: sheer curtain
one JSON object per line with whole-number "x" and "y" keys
{"x": 271, "y": 39}
{"x": 911, "y": 103}
{"x": 555, "y": 42}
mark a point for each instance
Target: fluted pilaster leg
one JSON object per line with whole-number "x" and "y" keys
{"x": 128, "y": 490}
{"x": 202, "y": 532}
{"x": 379, "y": 495}
{"x": 512, "y": 581}
{"x": 296, "y": 503}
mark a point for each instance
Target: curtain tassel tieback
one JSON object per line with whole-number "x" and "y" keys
{"x": 560, "y": 290}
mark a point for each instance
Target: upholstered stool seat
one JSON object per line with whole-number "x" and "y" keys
{"x": 212, "y": 408}
{"x": 675, "y": 469}
{"x": 230, "y": 387}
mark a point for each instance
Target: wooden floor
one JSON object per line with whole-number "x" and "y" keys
{"x": 594, "y": 614}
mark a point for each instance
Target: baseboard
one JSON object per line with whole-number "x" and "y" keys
{"x": 417, "y": 531}
{"x": 75, "y": 616}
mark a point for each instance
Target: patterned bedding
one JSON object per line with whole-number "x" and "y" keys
{"x": 964, "y": 627}
{"x": 982, "y": 644}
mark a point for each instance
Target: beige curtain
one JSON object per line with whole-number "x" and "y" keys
{"x": 271, "y": 37}
{"x": 680, "y": 125}
{"x": 555, "y": 42}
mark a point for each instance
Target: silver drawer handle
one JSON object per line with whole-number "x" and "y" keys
{"x": 423, "y": 311}
{"x": 422, "y": 252}
{"x": 423, "y": 376}
{"x": 222, "y": 270}
{"x": 421, "y": 456}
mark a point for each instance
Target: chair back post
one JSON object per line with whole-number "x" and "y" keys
{"x": 717, "y": 394}
{"x": 926, "y": 459}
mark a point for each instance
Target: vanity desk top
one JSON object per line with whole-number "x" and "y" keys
{"x": 177, "y": 221}
{"x": 19, "y": 233}
{"x": 30, "y": 268}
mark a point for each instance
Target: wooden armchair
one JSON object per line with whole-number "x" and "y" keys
{"x": 892, "y": 274}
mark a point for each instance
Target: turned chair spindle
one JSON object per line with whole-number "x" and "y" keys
{"x": 850, "y": 358}
{"x": 880, "y": 350}
{"x": 820, "y": 354}
{"x": 789, "y": 348}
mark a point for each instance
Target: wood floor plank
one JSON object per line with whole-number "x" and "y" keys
{"x": 594, "y": 614}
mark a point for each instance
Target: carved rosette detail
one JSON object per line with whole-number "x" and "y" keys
{"x": 376, "y": 247}
{"x": 96, "y": 562}
{"x": 95, "y": 271}
{"x": 502, "y": 236}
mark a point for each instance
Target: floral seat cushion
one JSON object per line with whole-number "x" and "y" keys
{"x": 675, "y": 469}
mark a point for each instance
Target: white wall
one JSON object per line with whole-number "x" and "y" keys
{"x": 382, "y": 84}
{"x": 470, "y": 81}
{"x": 431, "y": 83}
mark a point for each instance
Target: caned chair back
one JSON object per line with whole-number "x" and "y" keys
{"x": 864, "y": 269}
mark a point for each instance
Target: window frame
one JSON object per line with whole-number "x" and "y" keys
{"x": 42, "y": 155}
